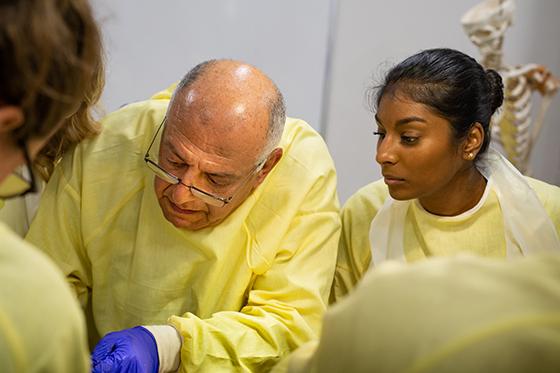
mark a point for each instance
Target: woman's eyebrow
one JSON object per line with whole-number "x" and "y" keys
{"x": 404, "y": 121}
{"x": 407, "y": 120}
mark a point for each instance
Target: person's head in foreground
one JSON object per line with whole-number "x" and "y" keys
{"x": 50, "y": 54}
{"x": 218, "y": 143}
{"x": 433, "y": 115}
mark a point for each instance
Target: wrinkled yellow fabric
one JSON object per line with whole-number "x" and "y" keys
{"x": 42, "y": 328}
{"x": 13, "y": 213}
{"x": 462, "y": 314}
{"x": 425, "y": 235}
{"x": 18, "y": 212}
{"x": 242, "y": 293}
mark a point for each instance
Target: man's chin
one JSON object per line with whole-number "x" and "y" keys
{"x": 191, "y": 222}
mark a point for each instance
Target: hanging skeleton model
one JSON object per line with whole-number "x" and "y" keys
{"x": 513, "y": 127}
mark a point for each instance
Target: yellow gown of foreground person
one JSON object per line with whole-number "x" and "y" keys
{"x": 29, "y": 281}
{"x": 463, "y": 314}
{"x": 242, "y": 293}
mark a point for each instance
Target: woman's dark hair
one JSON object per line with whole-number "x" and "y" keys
{"x": 450, "y": 83}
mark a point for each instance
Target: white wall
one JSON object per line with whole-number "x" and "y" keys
{"x": 371, "y": 36}
{"x": 151, "y": 44}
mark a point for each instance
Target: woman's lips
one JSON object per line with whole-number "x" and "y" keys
{"x": 392, "y": 180}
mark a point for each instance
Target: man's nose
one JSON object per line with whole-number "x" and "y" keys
{"x": 181, "y": 193}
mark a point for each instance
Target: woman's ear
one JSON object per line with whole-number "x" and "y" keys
{"x": 473, "y": 142}
{"x": 11, "y": 117}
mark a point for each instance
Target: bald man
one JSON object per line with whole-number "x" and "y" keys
{"x": 199, "y": 229}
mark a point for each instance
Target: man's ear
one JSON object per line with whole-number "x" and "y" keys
{"x": 11, "y": 117}
{"x": 473, "y": 142}
{"x": 269, "y": 164}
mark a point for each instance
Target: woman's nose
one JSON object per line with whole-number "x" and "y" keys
{"x": 386, "y": 151}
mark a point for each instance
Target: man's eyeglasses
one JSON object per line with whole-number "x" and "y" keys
{"x": 16, "y": 184}
{"x": 206, "y": 197}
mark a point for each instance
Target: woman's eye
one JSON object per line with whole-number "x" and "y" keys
{"x": 380, "y": 134}
{"x": 409, "y": 140}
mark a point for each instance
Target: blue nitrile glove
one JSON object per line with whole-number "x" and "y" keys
{"x": 126, "y": 351}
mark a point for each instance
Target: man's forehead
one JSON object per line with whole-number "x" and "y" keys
{"x": 217, "y": 108}
{"x": 194, "y": 138}
{"x": 235, "y": 122}
{"x": 224, "y": 114}
{"x": 222, "y": 143}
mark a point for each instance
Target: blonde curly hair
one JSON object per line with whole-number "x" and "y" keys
{"x": 79, "y": 126}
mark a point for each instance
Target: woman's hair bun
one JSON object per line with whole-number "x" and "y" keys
{"x": 496, "y": 92}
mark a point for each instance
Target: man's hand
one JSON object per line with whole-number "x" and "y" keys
{"x": 126, "y": 351}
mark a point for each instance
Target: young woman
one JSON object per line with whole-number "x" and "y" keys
{"x": 444, "y": 190}
{"x": 50, "y": 54}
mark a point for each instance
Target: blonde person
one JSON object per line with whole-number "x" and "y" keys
{"x": 18, "y": 212}
{"x": 444, "y": 191}
{"x": 199, "y": 229}
{"x": 468, "y": 313}
{"x": 49, "y": 54}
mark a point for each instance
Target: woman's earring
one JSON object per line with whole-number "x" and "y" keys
{"x": 469, "y": 156}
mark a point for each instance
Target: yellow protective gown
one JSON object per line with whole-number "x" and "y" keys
{"x": 480, "y": 232}
{"x": 462, "y": 314}
{"x": 17, "y": 213}
{"x": 42, "y": 328}
{"x": 241, "y": 294}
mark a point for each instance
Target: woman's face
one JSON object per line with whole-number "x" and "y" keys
{"x": 416, "y": 150}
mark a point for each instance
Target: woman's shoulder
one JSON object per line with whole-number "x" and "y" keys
{"x": 368, "y": 199}
{"x": 362, "y": 206}
{"x": 548, "y": 194}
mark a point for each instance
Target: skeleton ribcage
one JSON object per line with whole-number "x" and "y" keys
{"x": 511, "y": 126}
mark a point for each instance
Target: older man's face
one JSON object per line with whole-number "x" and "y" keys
{"x": 214, "y": 146}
